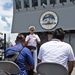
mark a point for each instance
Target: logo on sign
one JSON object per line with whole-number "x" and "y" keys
{"x": 49, "y": 20}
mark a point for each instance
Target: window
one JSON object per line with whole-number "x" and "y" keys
{"x": 61, "y": 1}
{"x": 26, "y": 3}
{"x": 52, "y": 1}
{"x": 18, "y": 4}
{"x": 34, "y": 3}
{"x": 73, "y": 1}
{"x": 43, "y": 2}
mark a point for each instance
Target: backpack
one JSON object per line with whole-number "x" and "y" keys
{"x": 13, "y": 56}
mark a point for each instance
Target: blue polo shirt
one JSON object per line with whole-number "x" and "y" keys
{"x": 25, "y": 57}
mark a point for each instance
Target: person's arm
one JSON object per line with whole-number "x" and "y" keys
{"x": 27, "y": 40}
{"x": 30, "y": 60}
{"x": 70, "y": 66}
{"x": 70, "y": 59}
{"x": 30, "y": 67}
{"x": 37, "y": 39}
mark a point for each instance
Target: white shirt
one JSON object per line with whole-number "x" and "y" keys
{"x": 32, "y": 38}
{"x": 56, "y": 51}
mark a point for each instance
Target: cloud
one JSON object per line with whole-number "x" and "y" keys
{"x": 4, "y": 2}
{"x": 9, "y": 20}
{"x": 3, "y": 5}
{"x": 6, "y": 15}
{"x": 5, "y": 24}
{"x": 2, "y": 24}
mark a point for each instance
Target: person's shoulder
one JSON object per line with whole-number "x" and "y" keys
{"x": 27, "y": 35}
{"x": 9, "y": 49}
{"x": 66, "y": 44}
{"x": 36, "y": 34}
{"x": 45, "y": 44}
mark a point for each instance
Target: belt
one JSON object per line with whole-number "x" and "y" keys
{"x": 31, "y": 47}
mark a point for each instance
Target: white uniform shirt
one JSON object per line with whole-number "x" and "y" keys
{"x": 32, "y": 38}
{"x": 56, "y": 51}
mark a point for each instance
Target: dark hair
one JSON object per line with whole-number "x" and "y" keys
{"x": 20, "y": 38}
{"x": 59, "y": 34}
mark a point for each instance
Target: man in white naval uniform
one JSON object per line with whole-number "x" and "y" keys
{"x": 31, "y": 40}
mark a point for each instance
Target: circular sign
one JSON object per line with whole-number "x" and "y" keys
{"x": 48, "y": 20}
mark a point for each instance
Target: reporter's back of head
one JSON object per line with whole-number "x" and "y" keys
{"x": 20, "y": 38}
{"x": 59, "y": 34}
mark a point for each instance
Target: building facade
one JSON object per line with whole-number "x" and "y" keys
{"x": 46, "y": 16}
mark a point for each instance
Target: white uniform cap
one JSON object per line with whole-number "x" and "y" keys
{"x": 31, "y": 28}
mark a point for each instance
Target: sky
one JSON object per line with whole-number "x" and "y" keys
{"x": 6, "y": 17}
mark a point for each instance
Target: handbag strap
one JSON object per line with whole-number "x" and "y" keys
{"x": 20, "y": 50}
